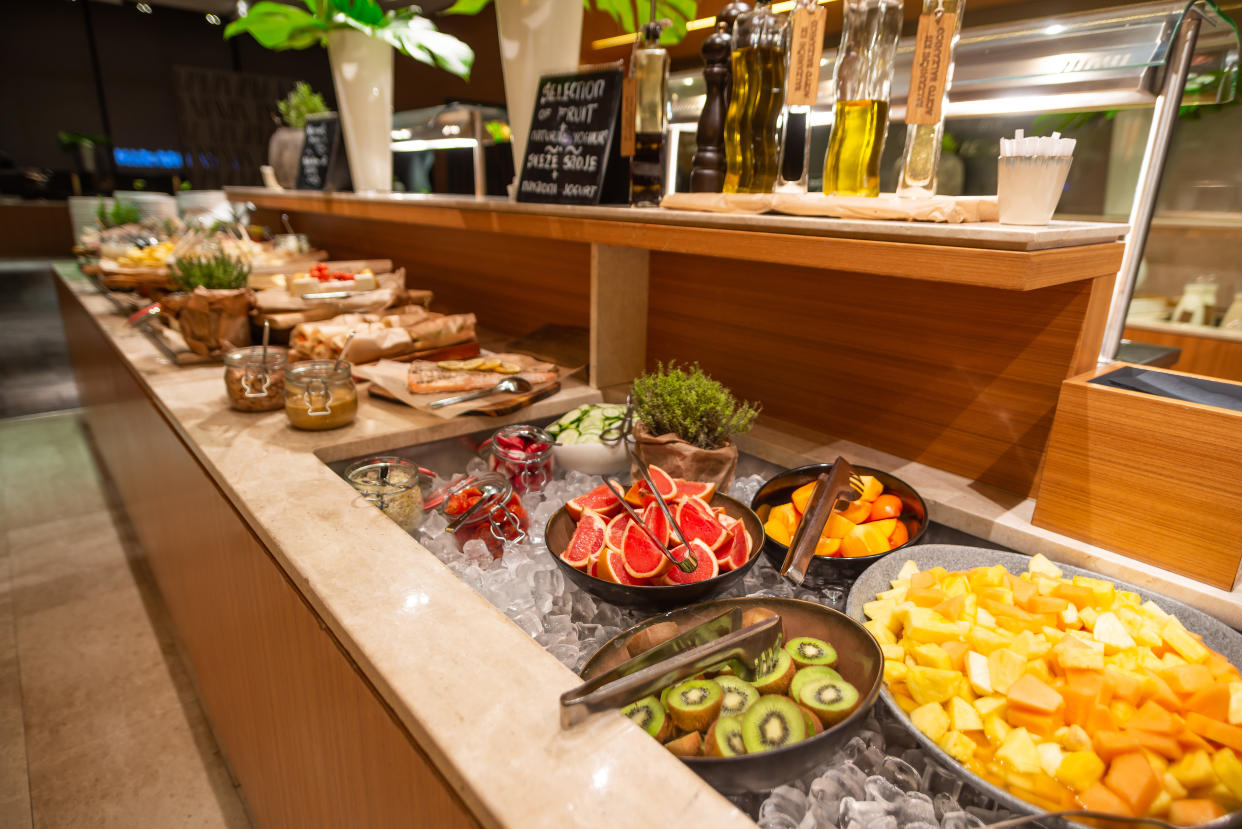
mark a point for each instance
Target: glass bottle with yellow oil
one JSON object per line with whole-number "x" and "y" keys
{"x": 861, "y": 81}
{"x": 921, "y": 159}
{"x": 752, "y": 124}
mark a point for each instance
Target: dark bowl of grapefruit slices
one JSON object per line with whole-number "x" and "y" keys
{"x": 601, "y": 550}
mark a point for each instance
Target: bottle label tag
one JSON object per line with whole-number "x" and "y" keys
{"x": 930, "y": 73}
{"x": 806, "y": 47}
{"x": 629, "y": 114}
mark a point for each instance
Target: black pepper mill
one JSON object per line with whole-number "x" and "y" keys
{"x": 707, "y": 172}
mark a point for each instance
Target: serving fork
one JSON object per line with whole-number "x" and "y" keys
{"x": 841, "y": 483}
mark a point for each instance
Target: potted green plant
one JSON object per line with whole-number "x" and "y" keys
{"x": 284, "y": 150}
{"x": 360, "y": 37}
{"x": 685, "y": 422}
{"x": 537, "y": 39}
{"x": 213, "y": 312}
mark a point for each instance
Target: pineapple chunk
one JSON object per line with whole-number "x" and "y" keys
{"x": 1050, "y": 756}
{"x": 977, "y": 672}
{"x": 1069, "y": 616}
{"x": 1180, "y": 640}
{"x": 989, "y": 705}
{"x": 1149, "y": 634}
{"x": 1152, "y": 611}
{"x": 895, "y": 671}
{"x": 1018, "y": 750}
{"x": 1174, "y": 786}
{"x": 893, "y": 652}
{"x": 1075, "y": 738}
{"x": 897, "y": 595}
{"x": 903, "y": 575}
{"x": 1194, "y": 769}
{"x": 1030, "y": 645}
{"x": 1228, "y": 769}
{"x": 1004, "y": 667}
{"x": 958, "y": 746}
{"x": 880, "y": 609}
{"x": 1235, "y": 702}
{"x": 984, "y": 640}
{"x": 1087, "y": 616}
{"x": 1080, "y": 770}
{"x": 1110, "y": 630}
{"x": 963, "y": 716}
{"x": 996, "y": 729}
{"x": 1041, "y": 565}
{"x": 881, "y": 632}
{"x": 931, "y": 720}
{"x": 932, "y": 656}
{"x": 924, "y": 625}
{"x": 1160, "y": 806}
{"x": 928, "y": 685}
{"x": 984, "y": 617}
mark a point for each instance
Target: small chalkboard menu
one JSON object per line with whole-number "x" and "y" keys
{"x": 573, "y": 154}
{"x": 324, "y": 165}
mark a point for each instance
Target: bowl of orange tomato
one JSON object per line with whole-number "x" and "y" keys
{"x": 888, "y": 515}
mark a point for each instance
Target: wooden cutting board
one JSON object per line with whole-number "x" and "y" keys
{"x": 500, "y": 409}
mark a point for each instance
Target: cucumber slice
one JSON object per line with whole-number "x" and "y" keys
{"x": 567, "y": 437}
{"x": 592, "y": 438}
{"x": 572, "y": 415}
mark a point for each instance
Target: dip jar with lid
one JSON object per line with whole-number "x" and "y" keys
{"x": 255, "y": 377}
{"x": 523, "y": 454}
{"x": 392, "y": 484}
{"x": 320, "y": 394}
{"x": 487, "y": 509}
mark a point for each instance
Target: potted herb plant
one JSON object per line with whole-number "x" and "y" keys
{"x": 284, "y": 151}
{"x": 213, "y": 313}
{"x": 685, "y": 422}
{"x": 537, "y": 39}
{"x": 360, "y": 37}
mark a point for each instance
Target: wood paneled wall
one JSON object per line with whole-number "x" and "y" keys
{"x": 513, "y": 284}
{"x": 958, "y": 377}
{"x": 309, "y": 739}
{"x": 35, "y": 229}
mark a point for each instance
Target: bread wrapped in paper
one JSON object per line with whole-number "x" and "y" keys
{"x": 436, "y": 332}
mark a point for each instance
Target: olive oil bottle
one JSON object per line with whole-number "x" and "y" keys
{"x": 650, "y": 67}
{"x": 861, "y": 81}
{"x": 752, "y": 124}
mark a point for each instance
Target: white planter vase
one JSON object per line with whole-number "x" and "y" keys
{"x": 362, "y": 75}
{"x": 537, "y": 37}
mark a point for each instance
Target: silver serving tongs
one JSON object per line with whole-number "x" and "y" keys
{"x": 690, "y": 562}
{"x": 686, "y": 565}
{"x": 841, "y": 483}
{"x": 750, "y": 650}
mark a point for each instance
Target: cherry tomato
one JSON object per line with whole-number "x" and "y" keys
{"x": 886, "y": 506}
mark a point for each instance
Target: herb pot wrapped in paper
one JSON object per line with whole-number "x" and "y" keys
{"x": 213, "y": 314}
{"x": 684, "y": 422}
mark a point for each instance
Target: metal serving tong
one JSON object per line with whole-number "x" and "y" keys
{"x": 687, "y": 564}
{"x": 750, "y": 650}
{"x": 841, "y": 483}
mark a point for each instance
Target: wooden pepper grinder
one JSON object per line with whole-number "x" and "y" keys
{"x": 707, "y": 172}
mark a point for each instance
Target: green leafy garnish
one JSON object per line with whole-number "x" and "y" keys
{"x": 691, "y": 405}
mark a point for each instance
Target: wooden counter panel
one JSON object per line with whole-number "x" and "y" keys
{"x": 958, "y": 377}
{"x": 513, "y": 284}
{"x": 308, "y": 738}
{"x": 1209, "y": 356}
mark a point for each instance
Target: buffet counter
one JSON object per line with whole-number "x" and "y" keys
{"x": 351, "y": 678}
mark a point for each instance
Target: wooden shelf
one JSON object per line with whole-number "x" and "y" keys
{"x": 981, "y": 255}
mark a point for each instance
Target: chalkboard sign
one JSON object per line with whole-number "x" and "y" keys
{"x": 573, "y": 154}
{"x": 324, "y": 165}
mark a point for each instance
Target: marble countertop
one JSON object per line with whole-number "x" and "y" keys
{"x": 429, "y": 643}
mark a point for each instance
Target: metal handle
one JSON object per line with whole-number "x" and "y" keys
{"x": 259, "y": 376}
{"x": 831, "y": 488}
{"x": 460, "y": 398}
{"x": 310, "y": 398}
{"x": 606, "y": 692}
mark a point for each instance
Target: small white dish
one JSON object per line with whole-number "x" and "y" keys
{"x": 592, "y": 458}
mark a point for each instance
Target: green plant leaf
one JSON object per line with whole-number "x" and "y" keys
{"x": 364, "y": 11}
{"x": 276, "y": 26}
{"x": 419, "y": 38}
{"x": 467, "y": 7}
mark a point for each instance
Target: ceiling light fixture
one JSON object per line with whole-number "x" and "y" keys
{"x": 213, "y": 19}
{"x": 145, "y": 8}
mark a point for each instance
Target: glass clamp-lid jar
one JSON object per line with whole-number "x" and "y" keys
{"x": 487, "y": 509}
{"x": 320, "y": 394}
{"x": 523, "y": 454}
{"x": 254, "y": 377}
{"x": 392, "y": 484}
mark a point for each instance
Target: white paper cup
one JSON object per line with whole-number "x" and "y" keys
{"x": 1029, "y": 187}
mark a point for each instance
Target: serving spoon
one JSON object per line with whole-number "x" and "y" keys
{"x": 507, "y": 385}
{"x": 1229, "y": 821}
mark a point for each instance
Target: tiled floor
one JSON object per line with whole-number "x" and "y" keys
{"x": 99, "y": 723}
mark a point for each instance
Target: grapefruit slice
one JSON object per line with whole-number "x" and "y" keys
{"x": 638, "y": 495}
{"x": 654, "y": 518}
{"x": 615, "y": 534}
{"x": 665, "y": 484}
{"x": 697, "y": 520}
{"x": 735, "y": 551}
{"x": 643, "y": 560}
{"x": 611, "y": 568}
{"x": 600, "y": 500}
{"x": 707, "y": 567}
{"x": 693, "y": 489}
{"x": 587, "y": 541}
{"x": 593, "y": 563}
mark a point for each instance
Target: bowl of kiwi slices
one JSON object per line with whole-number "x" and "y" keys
{"x": 743, "y": 736}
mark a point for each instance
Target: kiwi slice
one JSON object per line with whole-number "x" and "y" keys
{"x": 648, "y": 714}
{"x": 831, "y": 699}
{"x": 724, "y": 738}
{"x": 807, "y": 650}
{"x": 693, "y": 704}
{"x": 739, "y": 695}
{"x": 772, "y": 722}
{"x": 813, "y": 725}
{"x": 802, "y": 677}
{"x": 687, "y": 745}
{"x": 776, "y": 680}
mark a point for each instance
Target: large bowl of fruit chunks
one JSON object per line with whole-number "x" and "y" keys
{"x": 1057, "y": 688}
{"x": 887, "y": 516}
{"x": 752, "y": 736}
{"x": 599, "y": 547}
